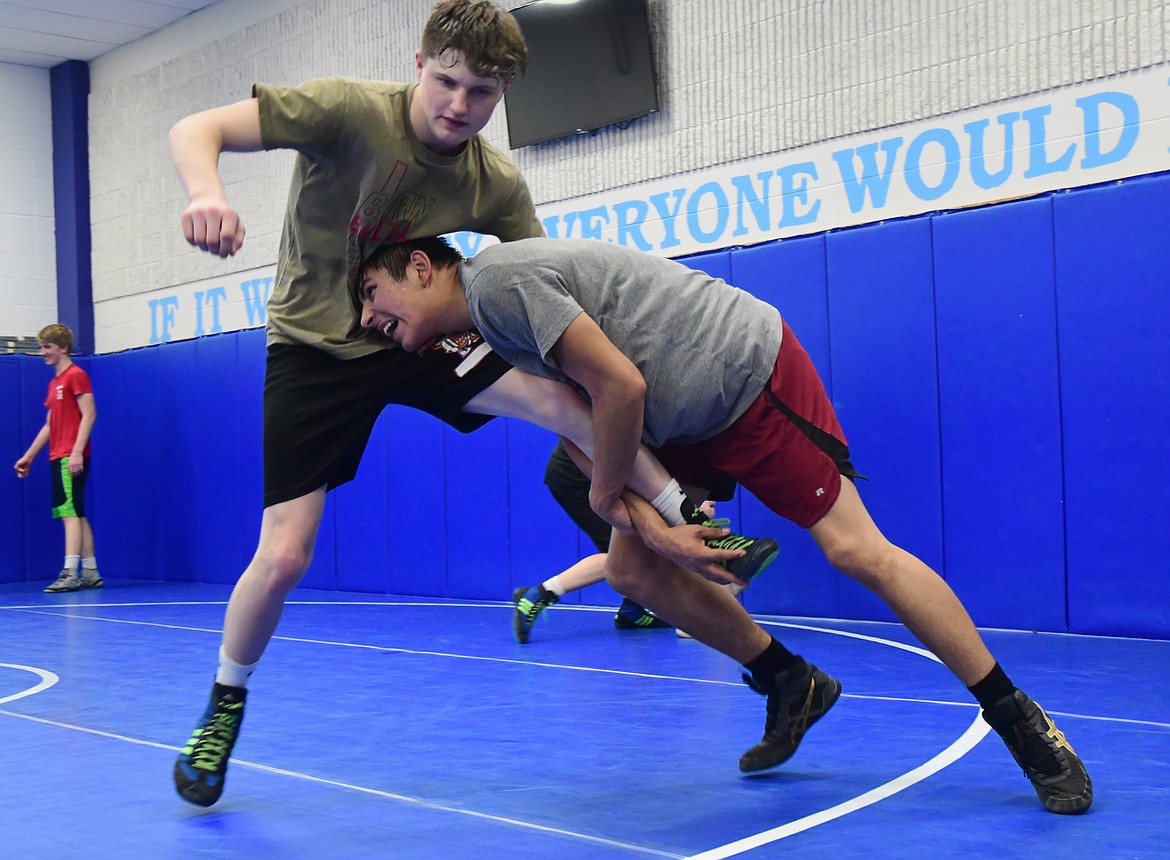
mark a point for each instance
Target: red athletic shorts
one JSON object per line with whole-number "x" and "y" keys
{"x": 788, "y": 449}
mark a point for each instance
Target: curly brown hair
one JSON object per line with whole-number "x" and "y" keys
{"x": 485, "y": 34}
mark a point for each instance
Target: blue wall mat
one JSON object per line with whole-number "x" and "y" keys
{"x": 791, "y": 276}
{"x": 115, "y": 553}
{"x": 251, "y": 355}
{"x": 227, "y": 506}
{"x": 544, "y": 541}
{"x": 177, "y": 413}
{"x": 248, "y": 381}
{"x": 999, "y": 409}
{"x": 476, "y": 479}
{"x": 881, "y": 315}
{"x": 322, "y": 572}
{"x": 12, "y": 443}
{"x": 366, "y": 525}
{"x": 44, "y": 538}
{"x": 135, "y": 479}
{"x": 1113, "y": 300}
{"x": 416, "y": 530}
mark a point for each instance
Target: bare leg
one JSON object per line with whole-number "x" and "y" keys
{"x": 919, "y": 596}
{"x": 72, "y": 535}
{"x": 557, "y": 407}
{"x": 288, "y": 532}
{"x": 87, "y": 550}
{"x": 710, "y": 613}
{"x": 588, "y": 571}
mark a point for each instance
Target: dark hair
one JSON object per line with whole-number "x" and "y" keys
{"x": 394, "y": 258}
{"x": 486, "y": 35}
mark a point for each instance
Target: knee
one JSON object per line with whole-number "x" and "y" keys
{"x": 622, "y": 579}
{"x": 282, "y": 565}
{"x": 870, "y": 563}
{"x": 565, "y": 413}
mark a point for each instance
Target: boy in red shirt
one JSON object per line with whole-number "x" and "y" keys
{"x": 67, "y": 427}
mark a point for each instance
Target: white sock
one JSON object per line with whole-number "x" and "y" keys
{"x": 231, "y": 673}
{"x": 553, "y": 584}
{"x": 669, "y": 504}
{"x": 89, "y": 563}
{"x": 71, "y": 562}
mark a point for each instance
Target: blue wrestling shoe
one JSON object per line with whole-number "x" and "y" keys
{"x": 632, "y": 616}
{"x": 530, "y": 602}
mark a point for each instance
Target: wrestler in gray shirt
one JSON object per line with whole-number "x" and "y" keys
{"x": 706, "y": 354}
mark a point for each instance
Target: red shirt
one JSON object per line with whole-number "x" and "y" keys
{"x": 64, "y": 413}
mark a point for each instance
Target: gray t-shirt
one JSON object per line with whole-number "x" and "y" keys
{"x": 705, "y": 348}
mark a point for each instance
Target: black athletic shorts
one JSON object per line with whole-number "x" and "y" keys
{"x": 570, "y": 487}
{"x": 68, "y": 489}
{"x": 319, "y": 410}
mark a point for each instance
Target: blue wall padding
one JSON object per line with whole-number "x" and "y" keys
{"x": 416, "y": 490}
{"x": 791, "y": 276}
{"x": 247, "y": 386}
{"x": 1000, "y": 373}
{"x": 322, "y": 572}
{"x": 476, "y": 481}
{"x": 227, "y": 450}
{"x": 881, "y": 323}
{"x": 179, "y": 451}
{"x": 367, "y": 521}
{"x": 999, "y": 411}
{"x": 544, "y": 540}
{"x": 134, "y": 485}
{"x": 13, "y": 442}
{"x": 1113, "y": 301}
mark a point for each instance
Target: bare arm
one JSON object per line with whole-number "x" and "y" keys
{"x": 23, "y": 464}
{"x": 684, "y": 545}
{"x": 618, "y": 393}
{"x": 211, "y": 223}
{"x": 88, "y": 407}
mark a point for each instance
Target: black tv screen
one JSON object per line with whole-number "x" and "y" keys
{"x": 589, "y": 65}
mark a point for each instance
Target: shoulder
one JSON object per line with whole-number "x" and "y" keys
{"x": 330, "y": 93}
{"x": 493, "y": 160}
{"x": 78, "y": 377}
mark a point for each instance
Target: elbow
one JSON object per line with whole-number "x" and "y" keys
{"x": 184, "y": 134}
{"x": 177, "y": 132}
{"x": 635, "y": 388}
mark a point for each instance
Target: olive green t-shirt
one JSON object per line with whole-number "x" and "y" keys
{"x": 361, "y": 179}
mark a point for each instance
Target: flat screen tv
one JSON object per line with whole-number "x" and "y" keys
{"x": 589, "y": 66}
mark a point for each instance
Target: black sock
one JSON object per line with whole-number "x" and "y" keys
{"x": 991, "y": 689}
{"x": 224, "y": 693}
{"x": 775, "y": 659}
{"x": 692, "y": 513}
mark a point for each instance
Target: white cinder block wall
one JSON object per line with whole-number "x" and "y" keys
{"x": 738, "y": 79}
{"x": 28, "y": 276}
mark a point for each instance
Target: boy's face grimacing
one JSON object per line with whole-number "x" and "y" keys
{"x": 403, "y": 311}
{"x": 452, "y": 104}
